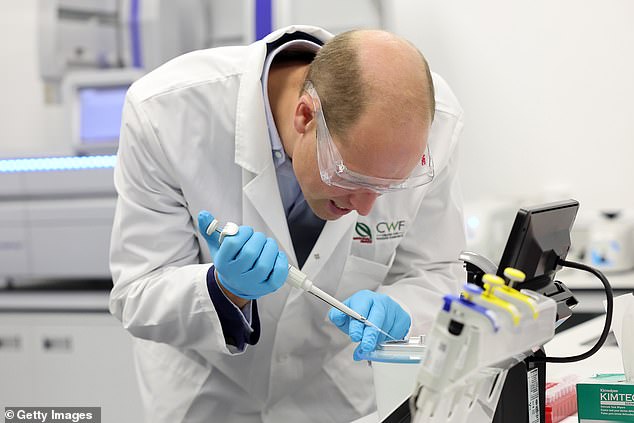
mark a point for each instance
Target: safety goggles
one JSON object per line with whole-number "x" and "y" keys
{"x": 334, "y": 172}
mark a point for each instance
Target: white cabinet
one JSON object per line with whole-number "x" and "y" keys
{"x": 15, "y": 360}
{"x": 68, "y": 359}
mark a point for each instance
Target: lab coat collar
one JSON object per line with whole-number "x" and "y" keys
{"x": 253, "y": 149}
{"x": 263, "y": 195}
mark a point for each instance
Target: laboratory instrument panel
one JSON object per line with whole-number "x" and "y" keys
{"x": 56, "y": 217}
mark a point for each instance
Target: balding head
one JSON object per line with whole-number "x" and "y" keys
{"x": 363, "y": 70}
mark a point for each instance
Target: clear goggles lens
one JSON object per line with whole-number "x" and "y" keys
{"x": 334, "y": 172}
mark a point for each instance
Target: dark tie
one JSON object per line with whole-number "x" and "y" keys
{"x": 305, "y": 228}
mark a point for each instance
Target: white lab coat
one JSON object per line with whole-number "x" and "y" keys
{"x": 194, "y": 136}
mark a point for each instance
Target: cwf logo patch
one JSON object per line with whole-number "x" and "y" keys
{"x": 382, "y": 230}
{"x": 364, "y": 234}
{"x": 390, "y": 230}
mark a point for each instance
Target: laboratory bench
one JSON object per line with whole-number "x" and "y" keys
{"x": 589, "y": 290}
{"x": 60, "y": 346}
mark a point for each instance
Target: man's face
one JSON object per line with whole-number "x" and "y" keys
{"x": 374, "y": 146}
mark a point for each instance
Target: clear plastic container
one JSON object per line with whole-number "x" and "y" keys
{"x": 410, "y": 350}
{"x": 395, "y": 366}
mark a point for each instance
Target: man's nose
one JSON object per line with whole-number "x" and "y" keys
{"x": 362, "y": 202}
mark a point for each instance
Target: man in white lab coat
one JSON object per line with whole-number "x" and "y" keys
{"x": 337, "y": 161}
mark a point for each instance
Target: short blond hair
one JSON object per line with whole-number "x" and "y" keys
{"x": 337, "y": 76}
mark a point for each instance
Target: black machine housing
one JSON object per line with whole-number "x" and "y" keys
{"x": 538, "y": 242}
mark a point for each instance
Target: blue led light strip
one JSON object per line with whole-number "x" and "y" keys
{"x": 135, "y": 34}
{"x": 263, "y": 18}
{"x": 44, "y": 164}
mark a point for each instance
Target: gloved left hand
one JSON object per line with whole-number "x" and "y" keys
{"x": 381, "y": 310}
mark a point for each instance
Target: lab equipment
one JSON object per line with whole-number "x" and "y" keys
{"x": 611, "y": 243}
{"x": 469, "y": 352}
{"x": 538, "y": 244}
{"x": 580, "y": 234}
{"x": 130, "y": 34}
{"x": 539, "y": 240}
{"x": 56, "y": 216}
{"x": 495, "y": 286}
{"x": 228, "y": 229}
{"x": 513, "y": 275}
{"x": 143, "y": 34}
{"x": 409, "y": 350}
{"x": 561, "y": 399}
{"x": 90, "y": 53}
{"x": 487, "y": 225}
{"x": 394, "y": 365}
{"x": 94, "y": 103}
{"x": 58, "y": 211}
{"x": 334, "y": 172}
{"x": 503, "y": 309}
{"x": 298, "y": 279}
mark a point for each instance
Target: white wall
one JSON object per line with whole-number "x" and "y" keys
{"x": 27, "y": 125}
{"x": 548, "y": 91}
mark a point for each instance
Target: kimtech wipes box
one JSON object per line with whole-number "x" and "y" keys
{"x": 605, "y": 398}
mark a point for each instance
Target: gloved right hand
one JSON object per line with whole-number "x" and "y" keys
{"x": 248, "y": 263}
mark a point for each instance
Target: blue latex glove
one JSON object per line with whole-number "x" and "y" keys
{"x": 381, "y": 310}
{"x": 248, "y": 263}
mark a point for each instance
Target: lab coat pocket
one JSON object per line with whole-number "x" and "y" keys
{"x": 360, "y": 273}
{"x": 169, "y": 380}
{"x": 353, "y": 378}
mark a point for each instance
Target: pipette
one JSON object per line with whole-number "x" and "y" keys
{"x": 298, "y": 279}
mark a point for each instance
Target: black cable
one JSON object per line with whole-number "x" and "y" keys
{"x": 608, "y": 318}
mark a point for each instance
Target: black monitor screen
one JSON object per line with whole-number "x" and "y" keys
{"x": 539, "y": 238}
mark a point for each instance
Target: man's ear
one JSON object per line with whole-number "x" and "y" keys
{"x": 304, "y": 114}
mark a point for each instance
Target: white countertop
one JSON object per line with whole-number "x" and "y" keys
{"x": 577, "y": 340}
{"x": 578, "y": 279}
{"x": 588, "y": 290}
